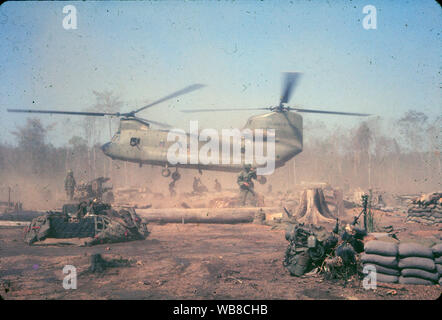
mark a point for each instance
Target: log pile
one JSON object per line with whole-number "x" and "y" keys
{"x": 204, "y": 215}
{"x": 426, "y": 209}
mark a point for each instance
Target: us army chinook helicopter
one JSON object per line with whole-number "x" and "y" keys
{"x": 135, "y": 141}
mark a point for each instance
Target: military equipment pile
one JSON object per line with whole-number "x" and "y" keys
{"x": 405, "y": 263}
{"x": 312, "y": 247}
{"x": 97, "y": 221}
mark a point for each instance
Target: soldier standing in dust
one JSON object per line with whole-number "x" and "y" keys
{"x": 172, "y": 188}
{"x": 218, "y": 187}
{"x": 245, "y": 182}
{"x": 69, "y": 184}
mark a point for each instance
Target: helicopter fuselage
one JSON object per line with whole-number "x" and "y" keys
{"x": 136, "y": 142}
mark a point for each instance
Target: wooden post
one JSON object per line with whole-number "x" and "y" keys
{"x": 339, "y": 198}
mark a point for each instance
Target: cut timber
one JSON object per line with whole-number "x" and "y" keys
{"x": 313, "y": 209}
{"x": 203, "y": 215}
{"x": 14, "y": 223}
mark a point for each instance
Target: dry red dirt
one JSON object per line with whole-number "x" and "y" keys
{"x": 179, "y": 261}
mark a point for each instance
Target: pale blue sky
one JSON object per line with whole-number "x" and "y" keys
{"x": 145, "y": 50}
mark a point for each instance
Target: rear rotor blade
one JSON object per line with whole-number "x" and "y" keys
{"x": 78, "y": 113}
{"x": 289, "y": 83}
{"x": 214, "y": 110}
{"x": 330, "y": 112}
{"x": 188, "y": 89}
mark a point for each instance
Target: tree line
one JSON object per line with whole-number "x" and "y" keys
{"x": 401, "y": 156}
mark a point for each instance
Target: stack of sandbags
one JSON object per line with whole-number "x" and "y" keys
{"x": 417, "y": 264}
{"x": 427, "y": 209}
{"x": 437, "y": 252}
{"x": 383, "y": 256}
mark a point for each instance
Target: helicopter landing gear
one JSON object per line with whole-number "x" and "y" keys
{"x": 262, "y": 180}
{"x": 165, "y": 172}
{"x": 175, "y": 175}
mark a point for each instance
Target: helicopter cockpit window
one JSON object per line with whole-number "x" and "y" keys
{"x": 134, "y": 141}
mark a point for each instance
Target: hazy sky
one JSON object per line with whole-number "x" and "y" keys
{"x": 145, "y": 50}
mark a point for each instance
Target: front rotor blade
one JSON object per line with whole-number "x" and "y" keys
{"x": 188, "y": 89}
{"x": 77, "y": 113}
{"x": 290, "y": 82}
{"x": 330, "y": 112}
{"x": 164, "y": 125}
{"x": 213, "y": 110}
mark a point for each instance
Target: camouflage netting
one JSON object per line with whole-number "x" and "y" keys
{"x": 99, "y": 223}
{"x": 427, "y": 209}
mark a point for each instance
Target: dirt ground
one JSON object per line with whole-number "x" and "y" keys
{"x": 188, "y": 261}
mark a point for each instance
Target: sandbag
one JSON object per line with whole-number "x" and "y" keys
{"x": 437, "y": 250}
{"x": 417, "y": 263}
{"x": 381, "y": 248}
{"x": 386, "y": 278}
{"x": 414, "y": 250}
{"x": 422, "y": 274}
{"x": 420, "y": 213}
{"x": 438, "y": 260}
{"x": 411, "y": 280}
{"x": 389, "y": 262}
{"x": 439, "y": 268}
{"x": 384, "y": 270}
{"x": 440, "y": 281}
{"x": 299, "y": 264}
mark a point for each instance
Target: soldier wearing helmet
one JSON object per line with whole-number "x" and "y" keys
{"x": 69, "y": 184}
{"x": 245, "y": 182}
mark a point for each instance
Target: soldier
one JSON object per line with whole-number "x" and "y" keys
{"x": 245, "y": 182}
{"x": 217, "y": 186}
{"x": 198, "y": 186}
{"x": 195, "y": 185}
{"x": 172, "y": 188}
{"x": 69, "y": 184}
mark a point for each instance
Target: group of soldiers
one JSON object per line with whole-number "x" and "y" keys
{"x": 244, "y": 180}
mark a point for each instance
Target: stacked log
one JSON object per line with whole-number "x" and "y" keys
{"x": 204, "y": 215}
{"x": 417, "y": 264}
{"x": 383, "y": 256}
{"x": 437, "y": 252}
